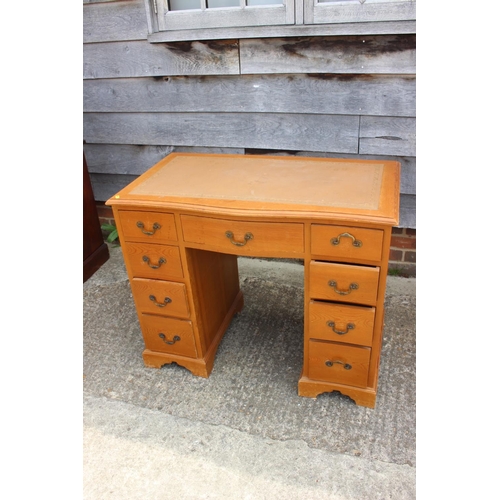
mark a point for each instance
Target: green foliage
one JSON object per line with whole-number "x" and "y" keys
{"x": 112, "y": 233}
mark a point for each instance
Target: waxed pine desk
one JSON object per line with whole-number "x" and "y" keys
{"x": 183, "y": 223}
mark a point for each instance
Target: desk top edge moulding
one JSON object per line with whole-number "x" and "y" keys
{"x": 183, "y": 223}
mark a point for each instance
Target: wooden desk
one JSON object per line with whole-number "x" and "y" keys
{"x": 183, "y": 223}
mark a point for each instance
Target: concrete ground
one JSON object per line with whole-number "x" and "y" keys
{"x": 243, "y": 433}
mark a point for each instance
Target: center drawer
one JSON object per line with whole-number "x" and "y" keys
{"x": 244, "y": 238}
{"x": 344, "y": 283}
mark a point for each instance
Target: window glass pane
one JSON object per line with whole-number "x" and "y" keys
{"x": 223, "y": 3}
{"x": 252, "y": 3}
{"x": 184, "y": 4}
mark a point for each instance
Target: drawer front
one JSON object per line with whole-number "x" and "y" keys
{"x": 160, "y": 297}
{"x": 241, "y": 237}
{"x": 341, "y": 323}
{"x": 150, "y": 227}
{"x": 344, "y": 283}
{"x": 351, "y": 243}
{"x": 153, "y": 261}
{"x": 173, "y": 336}
{"x": 339, "y": 363}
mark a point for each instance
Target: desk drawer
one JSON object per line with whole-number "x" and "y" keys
{"x": 150, "y": 227}
{"x": 353, "y": 243}
{"x": 339, "y": 363}
{"x": 153, "y": 261}
{"x": 344, "y": 283}
{"x": 173, "y": 336}
{"x": 341, "y": 323}
{"x": 242, "y": 237}
{"x": 166, "y": 298}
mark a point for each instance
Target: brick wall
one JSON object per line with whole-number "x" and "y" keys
{"x": 403, "y": 254}
{"x": 402, "y": 258}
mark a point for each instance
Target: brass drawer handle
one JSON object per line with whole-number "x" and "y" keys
{"x": 352, "y": 286}
{"x": 156, "y": 226}
{"x": 166, "y": 301}
{"x": 230, "y": 235}
{"x": 355, "y": 242}
{"x": 331, "y": 324}
{"x": 346, "y": 366}
{"x": 169, "y": 342}
{"x": 153, "y": 266}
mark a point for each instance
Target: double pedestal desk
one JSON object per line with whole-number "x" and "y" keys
{"x": 184, "y": 222}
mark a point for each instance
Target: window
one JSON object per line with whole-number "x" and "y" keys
{"x": 171, "y": 20}
{"x": 196, "y": 14}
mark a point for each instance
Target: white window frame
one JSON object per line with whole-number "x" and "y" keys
{"x": 233, "y": 17}
{"x": 289, "y": 19}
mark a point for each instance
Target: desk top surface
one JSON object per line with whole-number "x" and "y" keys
{"x": 269, "y": 185}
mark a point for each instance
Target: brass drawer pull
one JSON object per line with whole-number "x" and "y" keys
{"x": 156, "y": 226}
{"x": 166, "y": 301}
{"x": 169, "y": 342}
{"x": 230, "y": 235}
{"x": 355, "y": 242}
{"x": 331, "y": 324}
{"x": 346, "y": 366}
{"x": 352, "y": 286}
{"x": 153, "y": 266}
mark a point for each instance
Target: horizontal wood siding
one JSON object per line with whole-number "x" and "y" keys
{"x": 125, "y": 20}
{"x": 349, "y": 54}
{"x": 351, "y": 96}
{"x": 135, "y": 160}
{"x": 141, "y": 58}
{"x": 315, "y": 93}
{"x": 333, "y": 133}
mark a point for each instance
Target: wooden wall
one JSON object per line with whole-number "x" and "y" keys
{"x": 340, "y": 96}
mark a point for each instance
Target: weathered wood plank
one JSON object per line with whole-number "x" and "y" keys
{"x": 387, "y": 136}
{"x": 105, "y": 186}
{"x": 376, "y": 28}
{"x": 331, "y": 133}
{"x": 114, "y": 21}
{"x": 134, "y": 160}
{"x": 141, "y": 58}
{"x": 326, "y": 94}
{"x": 407, "y": 211}
{"x": 350, "y": 54}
